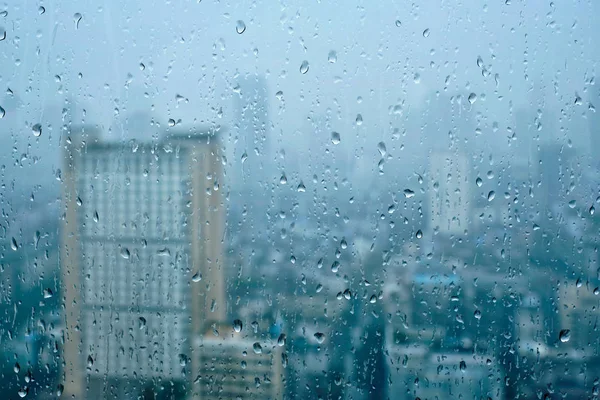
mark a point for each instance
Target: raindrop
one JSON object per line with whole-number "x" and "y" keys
{"x": 142, "y": 67}
{"x": 244, "y": 157}
{"x": 335, "y": 266}
{"x": 125, "y": 253}
{"x": 320, "y": 337}
{"x": 472, "y": 98}
{"x": 398, "y": 23}
{"x": 2, "y": 34}
{"x": 257, "y": 348}
{"x": 419, "y": 234}
{"x": 17, "y": 368}
{"x": 335, "y": 138}
{"x": 332, "y": 57}
{"x": 304, "y": 67}
{"x": 237, "y": 325}
{"x": 477, "y": 314}
{"x": 23, "y": 392}
{"x": 301, "y": 187}
{"x": 572, "y": 203}
{"x": 426, "y": 33}
{"x": 240, "y": 27}
{"x": 359, "y": 119}
{"x": 373, "y": 299}
{"x": 479, "y": 182}
{"x": 381, "y": 148}
{"x": 59, "y": 390}
{"x": 564, "y": 335}
{"x": 77, "y": 18}
{"x": 164, "y": 252}
{"x": 90, "y": 362}
{"x": 171, "y": 122}
{"x": 281, "y": 340}
{"x": 463, "y": 366}
{"x": 37, "y": 130}
{"x": 41, "y": 10}
{"x": 592, "y": 210}
{"x": 479, "y": 62}
{"x": 96, "y": 217}
{"x": 2, "y": 112}
{"x": 283, "y": 179}
{"x": 13, "y": 244}
{"x": 343, "y": 244}
{"x": 408, "y": 193}
{"x": 491, "y": 195}
{"x": 47, "y": 293}
{"x": 197, "y": 277}
{"x": 142, "y": 322}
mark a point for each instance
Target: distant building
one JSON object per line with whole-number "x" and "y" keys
{"x": 449, "y": 193}
{"x": 231, "y": 366}
{"x": 141, "y": 257}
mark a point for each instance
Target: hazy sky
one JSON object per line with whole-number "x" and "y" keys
{"x": 389, "y": 53}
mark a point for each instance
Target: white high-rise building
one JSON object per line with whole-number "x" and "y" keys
{"x": 142, "y": 221}
{"x": 449, "y": 192}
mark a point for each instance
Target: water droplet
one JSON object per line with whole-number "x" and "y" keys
{"x": 17, "y": 368}
{"x": 332, "y": 57}
{"x": 240, "y": 27}
{"x": 283, "y": 179}
{"x": 23, "y": 392}
{"x": 37, "y": 130}
{"x": 304, "y": 67}
{"x": 301, "y": 187}
{"x": 244, "y": 157}
{"x": 279, "y": 95}
{"x": 398, "y": 23}
{"x": 564, "y": 335}
{"x": 142, "y": 322}
{"x": 47, "y": 293}
{"x": 165, "y": 252}
{"x": 281, "y": 340}
{"x": 491, "y": 195}
{"x": 359, "y": 119}
{"x": 59, "y": 390}
{"x": 472, "y": 98}
{"x": 408, "y": 193}
{"x": 592, "y": 210}
{"x": 2, "y": 112}
{"x": 479, "y": 182}
{"x": 171, "y": 122}
{"x": 125, "y": 253}
{"x": 90, "y": 362}
{"x": 197, "y": 277}
{"x": 477, "y": 314}
{"x": 335, "y": 266}
{"x": 237, "y": 325}
{"x": 373, "y": 299}
{"x": 335, "y": 138}
{"x": 2, "y": 34}
{"x": 572, "y": 203}
{"x": 417, "y": 78}
{"x": 96, "y": 217}
{"x": 381, "y": 148}
{"x": 142, "y": 67}
{"x": 257, "y": 348}
{"x": 77, "y": 18}
{"x": 479, "y": 62}
{"x": 463, "y": 366}
{"x": 419, "y": 234}
{"x": 320, "y": 337}
{"x": 41, "y": 10}
{"x": 426, "y": 33}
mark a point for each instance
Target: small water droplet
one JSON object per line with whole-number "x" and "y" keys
{"x": 335, "y": 266}
{"x": 244, "y": 157}
{"x": 171, "y": 122}
{"x": 142, "y": 322}
{"x": 572, "y": 203}
{"x": 283, "y": 179}
{"x": 13, "y": 244}
{"x": 335, "y": 138}
{"x": 77, "y": 18}
{"x": 41, "y": 10}
{"x": 304, "y": 67}
{"x": 164, "y": 252}
{"x": 17, "y": 368}
{"x": 240, "y": 27}
{"x": 398, "y": 23}
{"x": 281, "y": 340}
{"x": 332, "y": 57}
{"x": 96, "y": 218}
{"x": 59, "y": 390}
{"x": 408, "y": 193}
{"x": 564, "y": 335}
{"x": 463, "y": 366}
{"x": 301, "y": 187}
{"x": 491, "y": 195}
{"x": 2, "y": 112}
{"x": 592, "y": 210}
{"x": 320, "y": 337}
{"x": 419, "y": 234}
{"x": 381, "y": 148}
{"x": 90, "y": 362}
{"x": 23, "y": 392}
{"x": 257, "y": 348}
{"x": 359, "y": 119}
{"x": 477, "y": 314}
{"x": 197, "y": 277}
{"x": 237, "y": 325}
{"x": 37, "y": 130}
{"x": 47, "y": 293}
{"x": 426, "y": 33}
{"x": 125, "y": 253}
{"x": 479, "y": 182}
{"x": 142, "y": 67}
{"x": 472, "y": 98}
{"x": 2, "y": 34}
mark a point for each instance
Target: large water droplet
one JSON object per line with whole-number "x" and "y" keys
{"x": 332, "y": 56}
{"x": 408, "y": 193}
{"x": 479, "y": 182}
{"x": 37, "y": 130}
{"x": 237, "y": 325}
{"x": 491, "y": 195}
{"x": 90, "y": 362}
{"x": 419, "y": 234}
{"x": 426, "y": 33}
{"x": 23, "y": 392}
{"x": 17, "y": 368}
{"x": 472, "y": 98}
{"x": 477, "y": 314}
{"x": 142, "y": 322}
{"x": 281, "y": 340}
{"x": 125, "y": 253}
{"x": 257, "y": 348}
{"x": 13, "y": 244}
{"x": 41, "y": 10}
{"x": 171, "y": 122}
{"x": 564, "y": 335}
{"x": 77, "y": 18}
{"x": 381, "y": 148}
{"x": 320, "y": 337}
{"x": 572, "y": 203}
{"x": 240, "y": 27}
{"x": 398, "y": 23}
{"x": 304, "y": 67}
{"x": 2, "y": 112}
{"x": 463, "y": 366}
{"x": 301, "y": 187}
{"x": 359, "y": 119}
{"x": 197, "y": 277}
{"x": 335, "y": 138}
{"x": 335, "y": 266}
{"x": 47, "y": 293}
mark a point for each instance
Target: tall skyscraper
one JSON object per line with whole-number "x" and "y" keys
{"x": 141, "y": 258}
{"x": 449, "y": 192}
